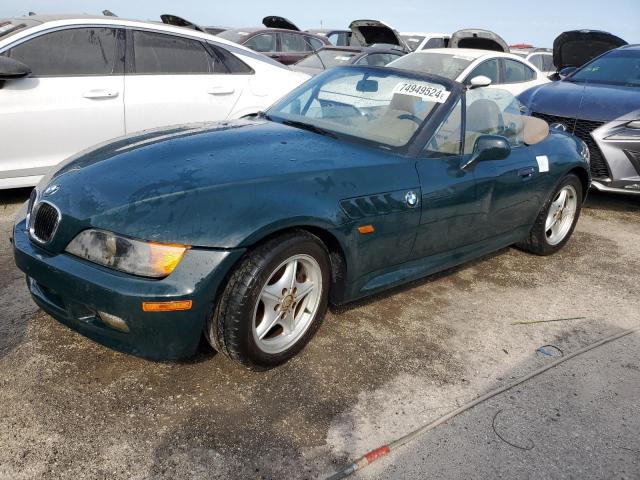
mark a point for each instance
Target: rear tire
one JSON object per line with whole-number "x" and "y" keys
{"x": 273, "y": 302}
{"x": 557, "y": 219}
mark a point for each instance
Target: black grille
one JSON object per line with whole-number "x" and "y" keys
{"x": 45, "y": 222}
{"x": 582, "y": 129}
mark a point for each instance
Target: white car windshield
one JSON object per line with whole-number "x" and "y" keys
{"x": 374, "y": 105}
{"x": 412, "y": 41}
{"x": 328, "y": 58}
{"x": 448, "y": 65}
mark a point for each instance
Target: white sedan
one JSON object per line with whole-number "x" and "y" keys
{"x": 69, "y": 82}
{"x": 506, "y": 71}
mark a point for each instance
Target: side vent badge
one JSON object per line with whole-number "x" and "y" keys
{"x": 411, "y": 198}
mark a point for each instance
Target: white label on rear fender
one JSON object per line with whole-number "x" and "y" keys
{"x": 543, "y": 163}
{"x": 422, "y": 90}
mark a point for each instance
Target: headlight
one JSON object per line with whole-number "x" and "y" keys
{"x": 147, "y": 259}
{"x": 634, "y": 124}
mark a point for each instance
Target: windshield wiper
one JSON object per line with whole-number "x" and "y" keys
{"x": 309, "y": 127}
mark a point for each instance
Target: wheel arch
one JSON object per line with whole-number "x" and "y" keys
{"x": 334, "y": 245}
{"x": 585, "y": 179}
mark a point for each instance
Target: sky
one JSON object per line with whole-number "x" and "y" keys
{"x": 518, "y": 21}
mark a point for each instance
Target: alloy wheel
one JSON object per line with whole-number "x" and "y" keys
{"x": 287, "y": 304}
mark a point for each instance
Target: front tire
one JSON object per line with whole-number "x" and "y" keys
{"x": 557, "y": 219}
{"x": 274, "y": 301}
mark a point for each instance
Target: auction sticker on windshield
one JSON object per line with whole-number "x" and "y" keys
{"x": 422, "y": 90}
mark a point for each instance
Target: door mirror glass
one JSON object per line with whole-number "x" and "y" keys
{"x": 566, "y": 71}
{"x": 11, "y": 69}
{"x": 489, "y": 147}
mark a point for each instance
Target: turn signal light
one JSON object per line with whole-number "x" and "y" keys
{"x": 167, "y": 306}
{"x": 365, "y": 229}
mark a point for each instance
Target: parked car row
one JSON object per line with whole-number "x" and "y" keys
{"x": 110, "y": 77}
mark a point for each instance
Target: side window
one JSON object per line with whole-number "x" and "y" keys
{"x": 537, "y": 61}
{"x": 516, "y": 72}
{"x": 339, "y": 39}
{"x": 292, "y": 42}
{"x": 265, "y": 42}
{"x": 492, "y": 111}
{"x": 490, "y": 69}
{"x": 157, "y": 53}
{"x": 72, "y": 52}
{"x": 447, "y": 141}
{"x": 544, "y": 62}
{"x": 314, "y": 42}
{"x": 234, "y": 64}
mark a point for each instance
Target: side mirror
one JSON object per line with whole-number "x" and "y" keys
{"x": 566, "y": 71}
{"x": 479, "y": 81}
{"x": 488, "y": 147}
{"x": 11, "y": 69}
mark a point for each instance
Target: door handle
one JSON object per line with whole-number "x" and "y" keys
{"x": 221, "y": 90}
{"x": 526, "y": 172}
{"x": 100, "y": 93}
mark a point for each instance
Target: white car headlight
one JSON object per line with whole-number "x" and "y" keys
{"x": 634, "y": 124}
{"x": 147, "y": 259}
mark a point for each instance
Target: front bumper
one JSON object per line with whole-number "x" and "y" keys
{"x": 73, "y": 291}
{"x": 628, "y": 189}
{"x": 620, "y": 147}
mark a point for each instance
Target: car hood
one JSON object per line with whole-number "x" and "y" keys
{"x": 273, "y": 21}
{"x": 188, "y": 184}
{"x": 372, "y": 32}
{"x": 577, "y": 47}
{"x": 600, "y": 103}
{"x": 478, "y": 39}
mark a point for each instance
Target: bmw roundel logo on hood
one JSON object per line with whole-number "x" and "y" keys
{"x": 51, "y": 189}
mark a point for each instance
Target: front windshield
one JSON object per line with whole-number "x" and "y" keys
{"x": 375, "y": 105}
{"x": 448, "y": 65}
{"x": 619, "y": 67}
{"x": 330, "y": 58}
{"x": 412, "y": 41}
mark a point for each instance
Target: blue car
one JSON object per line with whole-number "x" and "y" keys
{"x": 361, "y": 179}
{"x": 599, "y": 103}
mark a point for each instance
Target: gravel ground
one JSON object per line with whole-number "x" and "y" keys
{"x": 72, "y": 409}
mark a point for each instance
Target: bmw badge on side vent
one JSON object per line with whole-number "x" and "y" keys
{"x": 411, "y": 198}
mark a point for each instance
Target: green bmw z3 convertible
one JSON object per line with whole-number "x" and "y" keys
{"x": 361, "y": 179}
